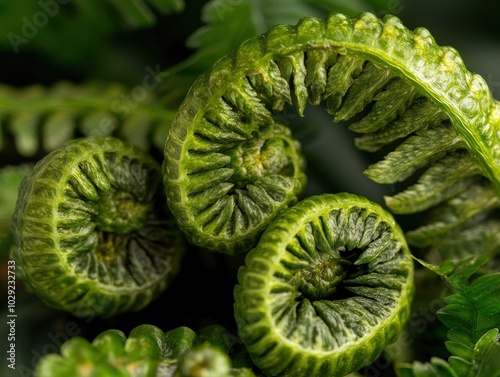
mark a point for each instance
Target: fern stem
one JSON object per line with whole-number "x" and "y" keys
{"x": 64, "y": 110}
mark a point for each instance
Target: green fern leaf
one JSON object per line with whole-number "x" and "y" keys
{"x": 473, "y": 310}
{"x": 65, "y": 110}
{"x": 472, "y": 316}
{"x": 487, "y": 355}
{"x": 484, "y": 361}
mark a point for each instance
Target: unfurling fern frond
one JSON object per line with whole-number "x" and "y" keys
{"x": 40, "y": 119}
{"x": 149, "y": 352}
{"x": 328, "y": 286}
{"x": 401, "y": 88}
{"x": 472, "y": 315}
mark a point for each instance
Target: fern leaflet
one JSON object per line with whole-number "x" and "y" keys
{"x": 42, "y": 119}
{"x": 472, "y": 316}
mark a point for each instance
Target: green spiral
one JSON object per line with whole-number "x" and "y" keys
{"x": 327, "y": 287}
{"x": 92, "y": 234}
{"x": 225, "y": 185}
{"x": 397, "y": 87}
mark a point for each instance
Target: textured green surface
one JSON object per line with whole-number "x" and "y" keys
{"x": 231, "y": 182}
{"x": 470, "y": 28}
{"x": 399, "y": 87}
{"x": 91, "y": 230}
{"x": 327, "y": 287}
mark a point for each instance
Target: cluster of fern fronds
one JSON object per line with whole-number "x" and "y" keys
{"x": 37, "y": 117}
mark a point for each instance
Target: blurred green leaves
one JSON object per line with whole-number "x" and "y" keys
{"x": 10, "y": 178}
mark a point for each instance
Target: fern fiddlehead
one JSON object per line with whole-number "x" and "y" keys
{"x": 326, "y": 288}
{"x": 92, "y": 234}
{"x": 234, "y": 181}
{"x": 411, "y": 94}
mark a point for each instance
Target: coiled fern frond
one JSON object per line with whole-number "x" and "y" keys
{"x": 327, "y": 287}
{"x": 149, "y": 352}
{"x": 397, "y": 87}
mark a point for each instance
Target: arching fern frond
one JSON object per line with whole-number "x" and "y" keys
{"x": 399, "y": 90}
{"x": 40, "y": 119}
{"x": 226, "y": 24}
